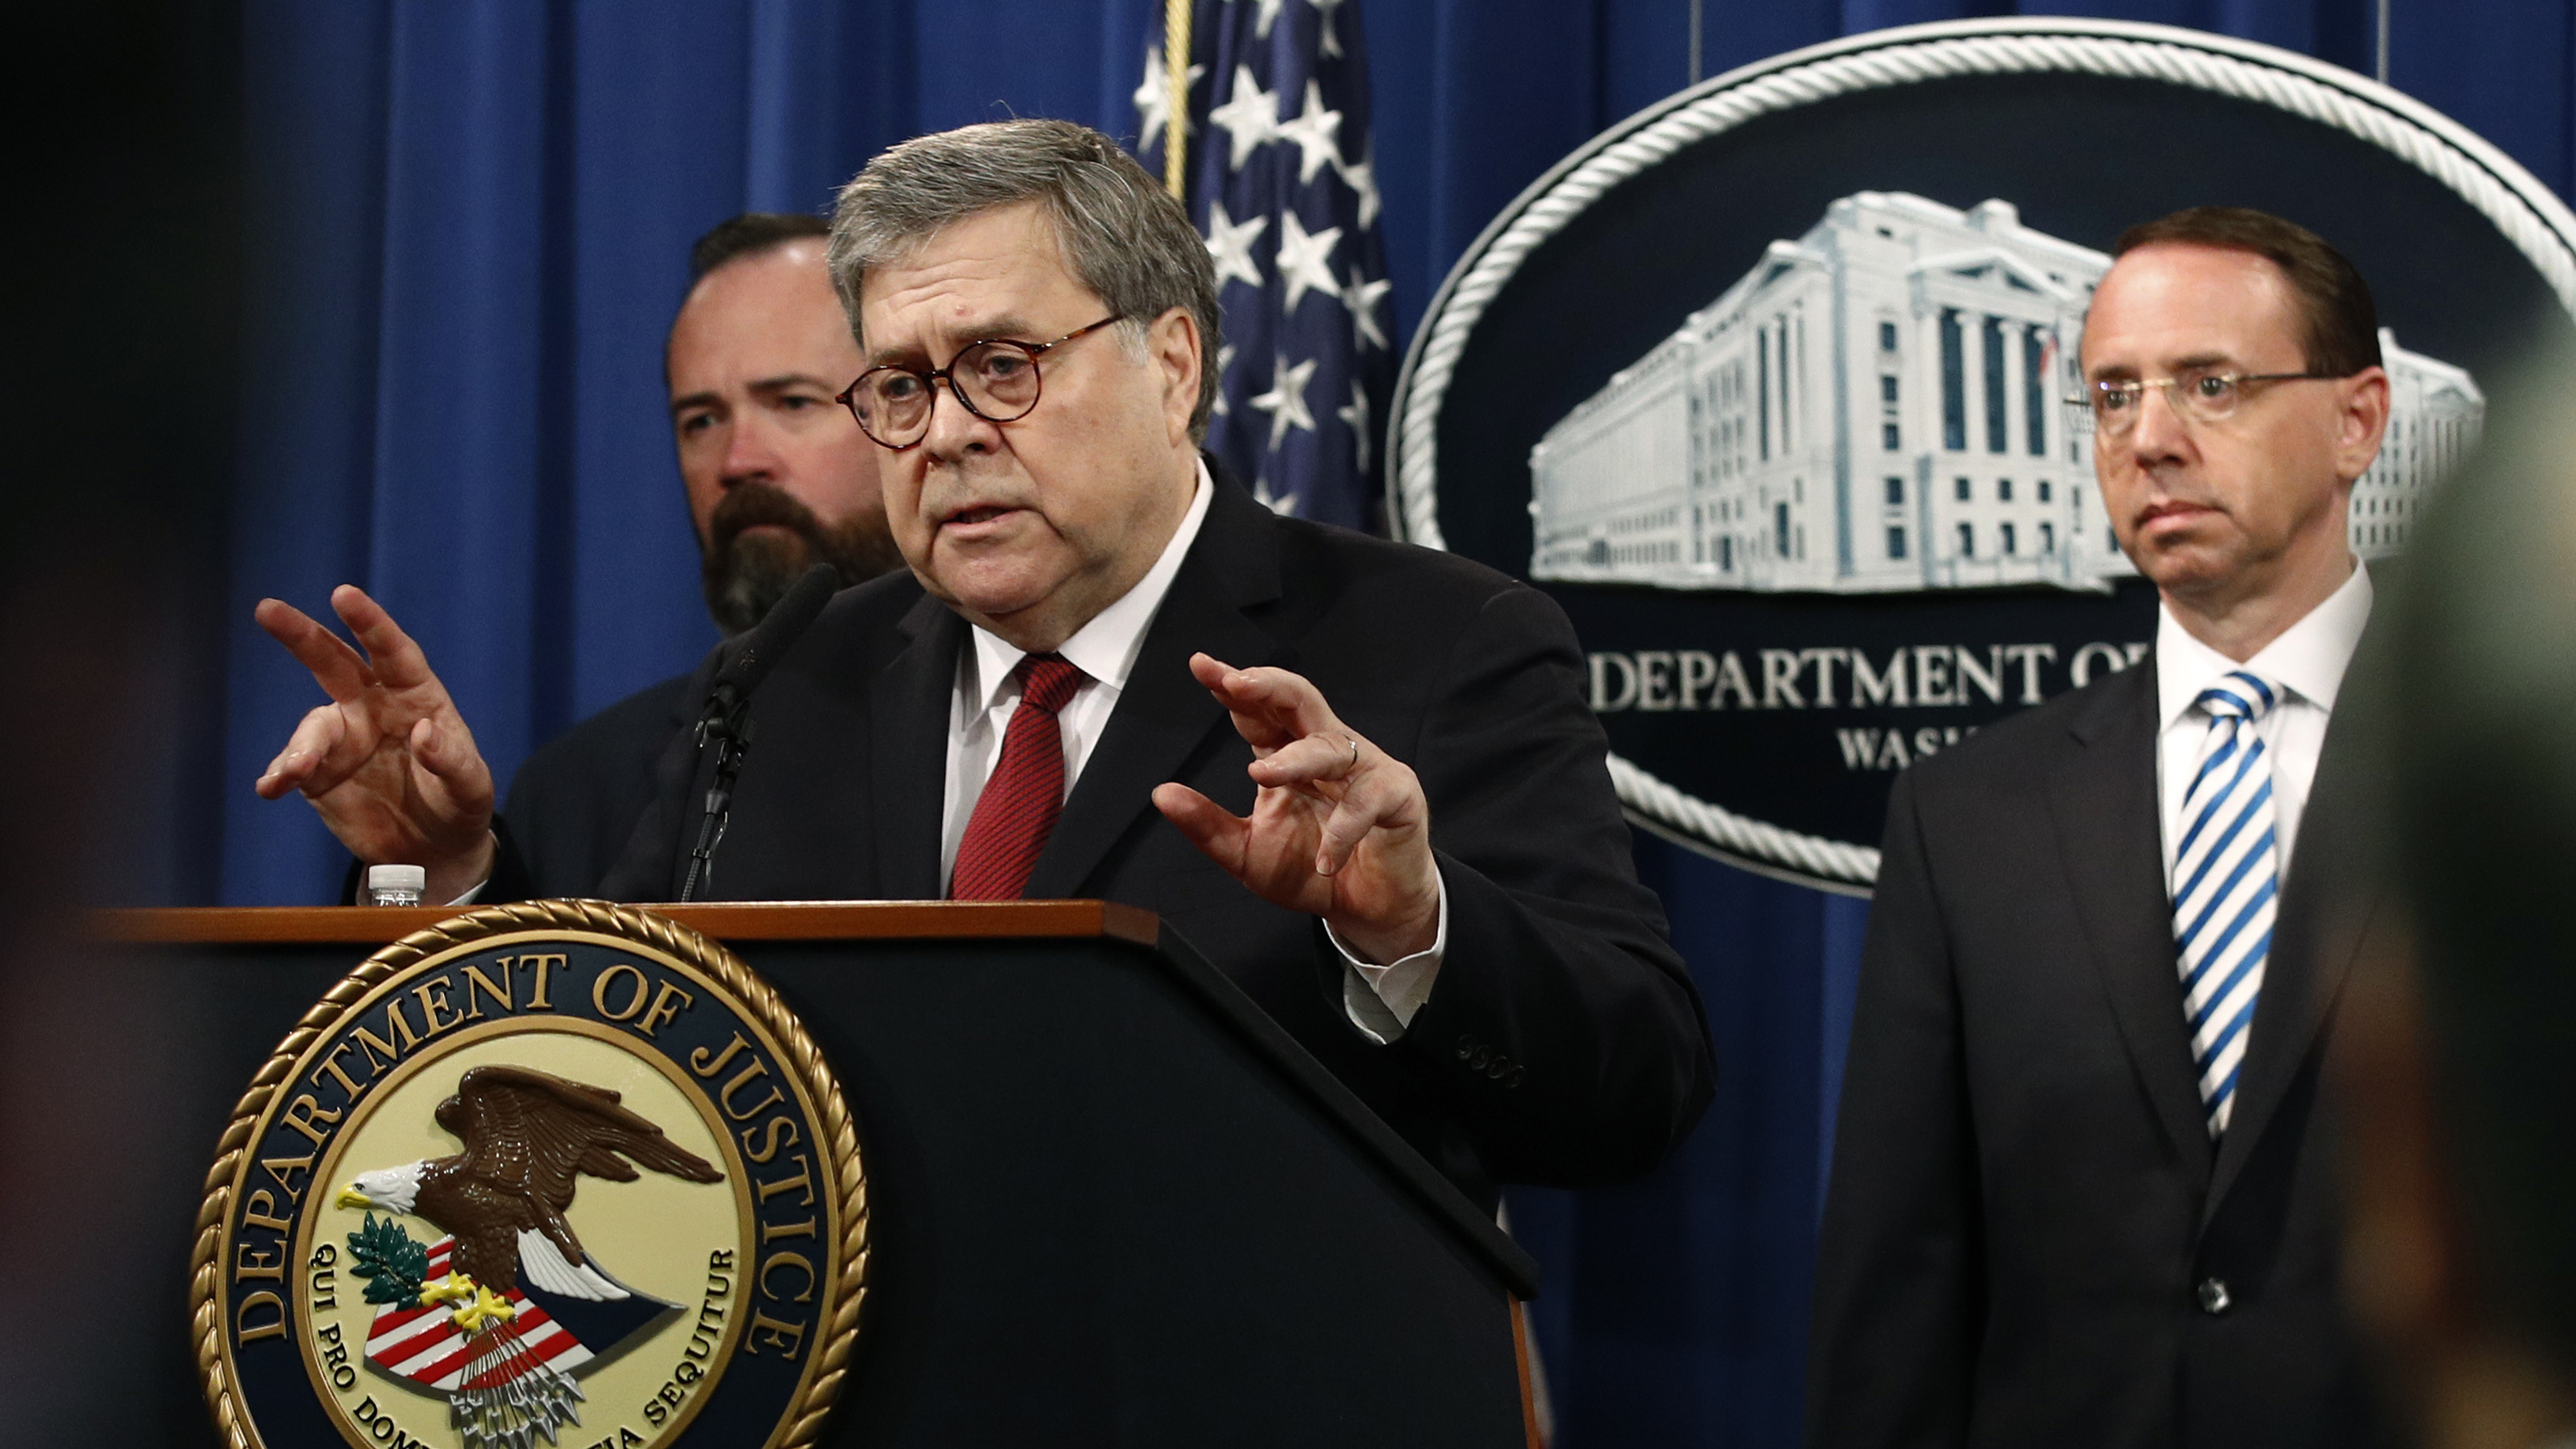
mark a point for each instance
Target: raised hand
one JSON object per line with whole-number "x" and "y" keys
{"x": 388, "y": 763}
{"x": 1339, "y": 828}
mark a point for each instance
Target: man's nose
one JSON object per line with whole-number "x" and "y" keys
{"x": 955, "y": 429}
{"x": 751, "y": 451}
{"x": 2161, "y": 431}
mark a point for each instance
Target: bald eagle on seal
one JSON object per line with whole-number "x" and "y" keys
{"x": 528, "y": 1137}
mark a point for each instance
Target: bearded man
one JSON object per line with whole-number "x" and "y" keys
{"x": 778, "y": 478}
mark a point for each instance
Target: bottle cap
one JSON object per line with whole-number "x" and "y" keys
{"x": 412, "y": 878}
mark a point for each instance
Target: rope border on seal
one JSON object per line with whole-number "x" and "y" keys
{"x": 808, "y": 1410}
{"x": 2525, "y": 212}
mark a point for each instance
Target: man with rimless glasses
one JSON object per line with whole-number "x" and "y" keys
{"x": 1360, "y": 776}
{"x": 2083, "y": 1187}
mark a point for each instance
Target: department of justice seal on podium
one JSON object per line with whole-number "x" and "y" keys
{"x": 563, "y": 1172}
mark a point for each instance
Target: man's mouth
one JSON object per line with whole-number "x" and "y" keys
{"x": 980, "y": 513}
{"x": 2171, "y": 509}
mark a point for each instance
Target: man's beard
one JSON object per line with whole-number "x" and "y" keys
{"x": 747, "y": 572}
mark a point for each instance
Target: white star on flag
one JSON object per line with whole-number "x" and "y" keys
{"x": 1360, "y": 296}
{"x": 1154, "y": 98}
{"x": 1229, "y": 244}
{"x": 1362, "y": 180}
{"x": 1250, "y": 117}
{"x": 1286, "y": 400}
{"x": 1329, "y": 44}
{"x": 1224, "y": 364}
{"x": 1283, "y": 504}
{"x": 1354, "y": 415}
{"x": 1269, "y": 16}
{"x": 1313, "y": 131}
{"x": 1306, "y": 262}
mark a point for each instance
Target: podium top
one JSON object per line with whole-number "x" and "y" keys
{"x": 736, "y": 921}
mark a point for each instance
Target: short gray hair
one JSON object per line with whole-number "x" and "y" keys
{"x": 1124, "y": 236}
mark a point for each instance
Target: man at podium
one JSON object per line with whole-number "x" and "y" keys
{"x": 1360, "y": 776}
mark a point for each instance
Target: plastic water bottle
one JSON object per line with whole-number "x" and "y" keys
{"x": 394, "y": 885}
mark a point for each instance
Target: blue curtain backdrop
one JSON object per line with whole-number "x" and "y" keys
{"x": 469, "y": 225}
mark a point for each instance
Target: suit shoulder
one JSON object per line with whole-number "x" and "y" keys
{"x": 1399, "y": 601}
{"x": 876, "y": 604}
{"x": 1426, "y": 592}
{"x": 860, "y": 622}
{"x": 2008, "y": 746}
{"x": 1430, "y": 566}
{"x": 647, "y": 715}
{"x": 655, "y": 703}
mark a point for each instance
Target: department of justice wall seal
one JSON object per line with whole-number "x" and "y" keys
{"x": 1767, "y": 386}
{"x": 562, "y": 1172}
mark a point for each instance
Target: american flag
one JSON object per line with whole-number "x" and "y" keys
{"x": 422, "y": 1343}
{"x": 1282, "y": 182}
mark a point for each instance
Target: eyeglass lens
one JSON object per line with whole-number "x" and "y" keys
{"x": 998, "y": 382}
{"x": 2203, "y": 397}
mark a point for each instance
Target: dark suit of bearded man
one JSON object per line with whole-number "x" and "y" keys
{"x": 575, "y": 802}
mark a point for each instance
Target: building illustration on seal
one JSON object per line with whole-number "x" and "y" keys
{"x": 1877, "y": 407}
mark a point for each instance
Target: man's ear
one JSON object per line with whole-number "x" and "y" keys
{"x": 1173, "y": 345}
{"x": 2364, "y": 421}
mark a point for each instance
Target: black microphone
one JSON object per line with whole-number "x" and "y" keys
{"x": 725, "y": 716}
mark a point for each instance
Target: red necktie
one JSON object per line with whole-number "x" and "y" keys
{"x": 1021, "y": 801}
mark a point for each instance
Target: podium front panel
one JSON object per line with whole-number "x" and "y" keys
{"x": 1103, "y": 1208}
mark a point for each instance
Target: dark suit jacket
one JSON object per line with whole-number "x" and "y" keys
{"x": 574, "y": 803}
{"x": 1563, "y": 1042}
{"x": 2025, "y": 1204}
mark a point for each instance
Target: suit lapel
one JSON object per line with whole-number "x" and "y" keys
{"x": 1163, "y": 714}
{"x": 2326, "y": 904}
{"x": 908, "y": 710}
{"x": 2102, "y": 802}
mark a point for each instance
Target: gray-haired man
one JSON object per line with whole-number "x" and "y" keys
{"x": 1110, "y": 672}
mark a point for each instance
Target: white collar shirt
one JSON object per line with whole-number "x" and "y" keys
{"x": 2308, "y": 663}
{"x": 988, "y": 684}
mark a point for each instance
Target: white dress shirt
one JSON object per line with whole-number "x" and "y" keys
{"x": 1381, "y": 1000}
{"x": 2307, "y": 662}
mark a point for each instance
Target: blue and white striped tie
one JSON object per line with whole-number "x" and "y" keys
{"x": 2226, "y": 874}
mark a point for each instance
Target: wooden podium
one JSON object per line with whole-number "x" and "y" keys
{"x": 1111, "y": 1201}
